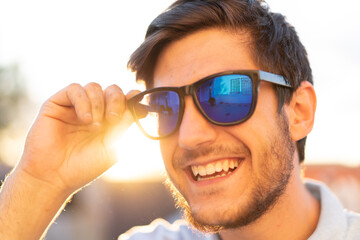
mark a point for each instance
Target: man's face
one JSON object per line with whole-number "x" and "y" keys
{"x": 254, "y": 159}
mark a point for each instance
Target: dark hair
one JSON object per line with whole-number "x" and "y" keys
{"x": 275, "y": 46}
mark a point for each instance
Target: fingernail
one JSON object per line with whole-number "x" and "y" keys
{"x": 87, "y": 116}
{"x": 97, "y": 124}
{"x": 114, "y": 114}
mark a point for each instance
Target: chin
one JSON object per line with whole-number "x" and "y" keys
{"x": 214, "y": 216}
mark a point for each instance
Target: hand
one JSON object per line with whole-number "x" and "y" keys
{"x": 69, "y": 145}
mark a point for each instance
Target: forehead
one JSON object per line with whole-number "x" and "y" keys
{"x": 201, "y": 54}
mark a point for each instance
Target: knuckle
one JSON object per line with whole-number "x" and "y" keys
{"x": 79, "y": 95}
{"x": 45, "y": 107}
{"x": 116, "y": 102}
{"x": 93, "y": 86}
{"x": 97, "y": 105}
{"x": 114, "y": 94}
{"x": 117, "y": 99}
{"x": 117, "y": 88}
{"x": 113, "y": 89}
{"x": 75, "y": 91}
{"x": 74, "y": 86}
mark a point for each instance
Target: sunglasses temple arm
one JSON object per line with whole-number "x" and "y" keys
{"x": 138, "y": 110}
{"x": 274, "y": 78}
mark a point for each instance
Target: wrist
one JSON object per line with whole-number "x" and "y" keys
{"x": 28, "y": 206}
{"x": 20, "y": 178}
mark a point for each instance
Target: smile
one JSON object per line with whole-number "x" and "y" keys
{"x": 215, "y": 169}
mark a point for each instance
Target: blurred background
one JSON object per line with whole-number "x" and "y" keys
{"x": 46, "y": 45}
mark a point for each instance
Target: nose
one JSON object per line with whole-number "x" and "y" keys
{"x": 195, "y": 130}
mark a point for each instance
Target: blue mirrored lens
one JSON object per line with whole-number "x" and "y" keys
{"x": 168, "y": 105}
{"x": 158, "y": 112}
{"x": 226, "y": 98}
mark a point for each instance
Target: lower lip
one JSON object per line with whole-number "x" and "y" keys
{"x": 213, "y": 180}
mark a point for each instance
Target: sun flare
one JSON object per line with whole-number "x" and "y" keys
{"x": 139, "y": 158}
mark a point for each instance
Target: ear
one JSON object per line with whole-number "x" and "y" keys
{"x": 302, "y": 111}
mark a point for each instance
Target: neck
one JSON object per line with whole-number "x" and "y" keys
{"x": 294, "y": 216}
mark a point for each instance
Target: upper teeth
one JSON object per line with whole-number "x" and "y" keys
{"x": 218, "y": 166}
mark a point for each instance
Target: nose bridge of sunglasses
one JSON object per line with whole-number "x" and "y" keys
{"x": 186, "y": 90}
{"x": 192, "y": 111}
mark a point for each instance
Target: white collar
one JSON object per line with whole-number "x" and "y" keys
{"x": 332, "y": 222}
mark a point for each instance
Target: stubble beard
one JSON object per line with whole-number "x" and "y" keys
{"x": 266, "y": 190}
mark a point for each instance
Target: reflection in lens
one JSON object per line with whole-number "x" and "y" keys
{"x": 158, "y": 112}
{"x": 226, "y": 98}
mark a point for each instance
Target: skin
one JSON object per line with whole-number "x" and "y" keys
{"x": 213, "y": 201}
{"x": 69, "y": 146}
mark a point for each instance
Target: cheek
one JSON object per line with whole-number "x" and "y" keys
{"x": 168, "y": 148}
{"x": 257, "y": 134}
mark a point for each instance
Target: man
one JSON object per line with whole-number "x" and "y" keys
{"x": 232, "y": 150}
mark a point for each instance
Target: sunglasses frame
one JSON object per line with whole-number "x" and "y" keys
{"x": 255, "y": 75}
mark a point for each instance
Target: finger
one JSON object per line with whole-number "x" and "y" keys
{"x": 71, "y": 97}
{"x": 125, "y": 121}
{"x": 63, "y": 113}
{"x": 96, "y": 97}
{"x": 132, "y": 93}
{"x": 115, "y": 103}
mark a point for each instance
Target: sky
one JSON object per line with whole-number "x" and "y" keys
{"x": 56, "y": 43}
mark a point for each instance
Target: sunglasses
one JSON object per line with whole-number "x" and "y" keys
{"x": 224, "y": 99}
